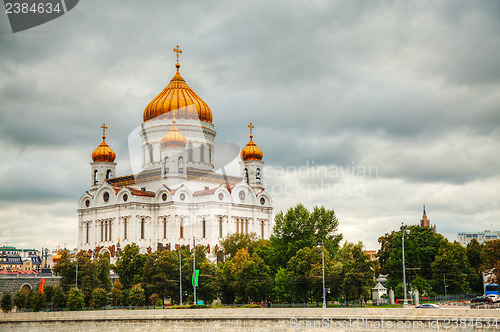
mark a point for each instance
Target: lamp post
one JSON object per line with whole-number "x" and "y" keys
{"x": 180, "y": 275}
{"x": 323, "y": 268}
{"x": 194, "y": 268}
{"x": 403, "y": 231}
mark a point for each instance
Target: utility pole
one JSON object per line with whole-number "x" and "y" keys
{"x": 323, "y": 264}
{"x": 444, "y": 281}
{"x": 76, "y": 280}
{"x": 180, "y": 274}
{"x": 403, "y": 231}
{"x": 194, "y": 268}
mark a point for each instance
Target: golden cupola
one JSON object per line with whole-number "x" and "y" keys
{"x": 103, "y": 153}
{"x": 173, "y": 138}
{"x": 180, "y": 97}
{"x": 251, "y": 151}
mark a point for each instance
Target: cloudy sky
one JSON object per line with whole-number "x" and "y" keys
{"x": 371, "y": 108}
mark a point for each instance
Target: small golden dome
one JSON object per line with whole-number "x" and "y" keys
{"x": 103, "y": 151}
{"x": 173, "y": 138}
{"x": 57, "y": 257}
{"x": 251, "y": 151}
{"x": 178, "y": 96}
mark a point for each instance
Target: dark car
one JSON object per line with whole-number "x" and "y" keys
{"x": 481, "y": 299}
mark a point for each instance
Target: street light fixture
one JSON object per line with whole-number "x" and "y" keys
{"x": 403, "y": 231}
{"x": 323, "y": 267}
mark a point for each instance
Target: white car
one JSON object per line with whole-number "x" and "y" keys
{"x": 494, "y": 297}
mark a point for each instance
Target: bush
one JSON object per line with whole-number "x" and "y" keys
{"x": 99, "y": 298}
{"x": 36, "y": 300}
{"x": 153, "y": 298}
{"x": 20, "y": 300}
{"x": 76, "y": 299}
{"x": 7, "y": 302}
{"x": 58, "y": 298}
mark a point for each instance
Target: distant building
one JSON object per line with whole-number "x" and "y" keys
{"x": 481, "y": 237}
{"x": 425, "y": 222}
{"x": 372, "y": 254}
{"x": 24, "y": 253}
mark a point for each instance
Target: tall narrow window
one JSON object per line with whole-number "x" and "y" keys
{"x": 142, "y": 229}
{"x": 165, "y": 166}
{"x": 262, "y": 229}
{"x": 180, "y": 165}
{"x": 190, "y": 151}
{"x": 220, "y": 226}
{"x": 164, "y": 228}
{"x": 95, "y": 177}
{"x": 108, "y": 174}
{"x": 106, "y": 230}
{"x": 202, "y": 153}
{"x": 150, "y": 153}
{"x": 237, "y": 225}
{"x": 246, "y": 226}
{"x": 181, "y": 229}
{"x": 204, "y": 228}
{"x": 257, "y": 175}
{"x": 125, "y": 228}
{"x": 246, "y": 175}
{"x": 210, "y": 154}
{"x": 110, "y": 237}
{"x": 102, "y": 231}
{"x": 87, "y": 232}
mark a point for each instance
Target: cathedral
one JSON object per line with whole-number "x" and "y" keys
{"x": 177, "y": 198}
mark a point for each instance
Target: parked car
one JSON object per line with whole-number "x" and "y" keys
{"x": 494, "y": 297}
{"x": 428, "y": 305}
{"x": 481, "y": 299}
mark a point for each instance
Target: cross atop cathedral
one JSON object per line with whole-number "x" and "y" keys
{"x": 178, "y": 51}
{"x": 104, "y": 130}
{"x": 251, "y": 127}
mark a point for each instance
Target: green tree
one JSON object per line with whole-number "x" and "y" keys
{"x": 136, "y": 295}
{"x": 475, "y": 279}
{"x": 103, "y": 268}
{"x": 284, "y": 288}
{"x": 490, "y": 258}
{"x": 87, "y": 275}
{"x": 153, "y": 298}
{"x": 116, "y": 292}
{"x": 450, "y": 269}
{"x": 129, "y": 266}
{"x": 7, "y": 302}
{"x": 161, "y": 274}
{"x": 66, "y": 268}
{"x": 58, "y": 298}
{"x": 357, "y": 275}
{"x": 20, "y": 300}
{"x": 234, "y": 242}
{"x": 99, "y": 298}
{"x": 36, "y": 300}
{"x": 76, "y": 299}
{"x": 49, "y": 292}
{"x": 299, "y": 228}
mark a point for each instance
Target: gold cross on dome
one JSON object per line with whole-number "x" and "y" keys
{"x": 104, "y": 130}
{"x": 251, "y": 127}
{"x": 178, "y": 51}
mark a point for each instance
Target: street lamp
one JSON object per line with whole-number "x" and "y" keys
{"x": 323, "y": 267}
{"x": 118, "y": 248}
{"x": 194, "y": 268}
{"x": 180, "y": 275}
{"x": 403, "y": 231}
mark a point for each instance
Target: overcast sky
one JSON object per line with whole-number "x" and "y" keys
{"x": 370, "y": 108}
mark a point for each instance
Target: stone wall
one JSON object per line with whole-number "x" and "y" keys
{"x": 14, "y": 283}
{"x": 261, "y": 320}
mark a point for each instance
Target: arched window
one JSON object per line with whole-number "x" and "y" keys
{"x": 142, "y": 229}
{"x": 246, "y": 175}
{"x": 210, "y": 154}
{"x": 237, "y": 225}
{"x": 262, "y": 229}
{"x": 102, "y": 231}
{"x": 110, "y": 237}
{"x": 108, "y": 174}
{"x": 125, "y": 229}
{"x": 150, "y": 147}
{"x": 87, "y": 232}
{"x": 202, "y": 153}
{"x": 246, "y": 226}
{"x": 220, "y": 226}
{"x": 257, "y": 175}
{"x": 95, "y": 177}
{"x": 180, "y": 165}
{"x": 181, "y": 229}
{"x": 190, "y": 151}
{"x": 165, "y": 165}
{"x": 164, "y": 228}
{"x": 203, "y": 228}
{"x": 106, "y": 230}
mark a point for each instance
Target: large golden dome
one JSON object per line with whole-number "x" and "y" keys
{"x": 251, "y": 151}
{"x": 178, "y": 96}
{"x": 103, "y": 151}
{"x": 173, "y": 138}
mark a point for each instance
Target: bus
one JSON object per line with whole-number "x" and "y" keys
{"x": 491, "y": 289}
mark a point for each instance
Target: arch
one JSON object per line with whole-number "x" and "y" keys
{"x": 108, "y": 174}
{"x": 180, "y": 164}
{"x": 190, "y": 151}
{"x": 104, "y": 251}
{"x": 25, "y": 288}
